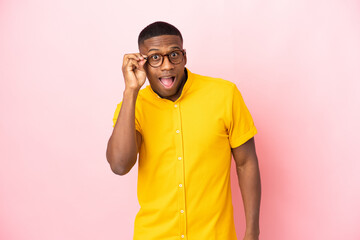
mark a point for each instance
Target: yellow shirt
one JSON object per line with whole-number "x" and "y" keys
{"x": 185, "y": 157}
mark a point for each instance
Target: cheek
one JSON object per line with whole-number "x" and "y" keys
{"x": 149, "y": 72}
{"x": 180, "y": 69}
{"x": 151, "y": 75}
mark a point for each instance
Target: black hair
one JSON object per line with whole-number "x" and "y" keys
{"x": 157, "y": 29}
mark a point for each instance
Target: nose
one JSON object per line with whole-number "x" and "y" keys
{"x": 166, "y": 65}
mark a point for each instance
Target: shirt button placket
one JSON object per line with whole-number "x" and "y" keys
{"x": 180, "y": 170}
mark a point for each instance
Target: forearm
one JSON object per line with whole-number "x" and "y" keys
{"x": 250, "y": 186}
{"x": 122, "y": 149}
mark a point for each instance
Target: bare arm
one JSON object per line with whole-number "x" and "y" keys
{"x": 249, "y": 181}
{"x": 124, "y": 143}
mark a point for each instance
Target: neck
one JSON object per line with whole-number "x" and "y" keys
{"x": 179, "y": 91}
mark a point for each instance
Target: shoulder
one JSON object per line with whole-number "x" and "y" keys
{"x": 142, "y": 93}
{"x": 139, "y": 98}
{"x": 218, "y": 85}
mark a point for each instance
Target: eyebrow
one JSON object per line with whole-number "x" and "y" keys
{"x": 155, "y": 49}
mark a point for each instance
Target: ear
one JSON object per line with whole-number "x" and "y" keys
{"x": 185, "y": 58}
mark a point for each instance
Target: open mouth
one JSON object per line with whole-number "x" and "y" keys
{"x": 167, "y": 82}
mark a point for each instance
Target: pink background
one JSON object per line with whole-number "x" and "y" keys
{"x": 297, "y": 64}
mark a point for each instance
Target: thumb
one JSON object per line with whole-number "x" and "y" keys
{"x": 141, "y": 65}
{"x": 140, "y": 71}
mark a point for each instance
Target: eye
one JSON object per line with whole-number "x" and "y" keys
{"x": 155, "y": 57}
{"x": 174, "y": 54}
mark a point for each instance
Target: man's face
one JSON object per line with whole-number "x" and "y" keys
{"x": 168, "y": 79}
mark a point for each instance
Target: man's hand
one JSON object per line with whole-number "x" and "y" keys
{"x": 133, "y": 71}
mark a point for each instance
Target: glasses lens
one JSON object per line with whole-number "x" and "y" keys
{"x": 155, "y": 60}
{"x": 176, "y": 57}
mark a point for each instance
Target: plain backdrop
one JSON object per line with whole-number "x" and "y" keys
{"x": 296, "y": 63}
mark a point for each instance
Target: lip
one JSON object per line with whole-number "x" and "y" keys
{"x": 167, "y": 87}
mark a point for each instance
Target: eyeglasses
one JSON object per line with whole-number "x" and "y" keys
{"x": 157, "y": 59}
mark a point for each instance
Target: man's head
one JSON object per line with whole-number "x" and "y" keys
{"x": 158, "y": 29}
{"x": 162, "y": 44}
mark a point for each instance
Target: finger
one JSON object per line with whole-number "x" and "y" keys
{"x": 127, "y": 58}
{"x": 140, "y": 56}
{"x": 131, "y": 55}
{"x": 132, "y": 64}
{"x": 136, "y": 56}
{"x": 141, "y": 64}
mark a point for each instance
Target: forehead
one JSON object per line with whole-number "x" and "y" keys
{"x": 160, "y": 42}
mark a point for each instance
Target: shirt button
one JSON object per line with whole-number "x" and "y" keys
{"x": 177, "y": 131}
{"x": 182, "y": 211}
{"x": 179, "y": 158}
{"x": 182, "y": 236}
{"x": 180, "y": 185}
{"x": 175, "y": 105}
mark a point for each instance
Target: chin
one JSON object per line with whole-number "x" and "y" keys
{"x": 167, "y": 93}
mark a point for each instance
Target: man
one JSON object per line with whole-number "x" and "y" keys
{"x": 184, "y": 127}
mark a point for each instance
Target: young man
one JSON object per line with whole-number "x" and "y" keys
{"x": 185, "y": 127}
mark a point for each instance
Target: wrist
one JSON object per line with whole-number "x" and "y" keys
{"x": 252, "y": 226}
{"x": 252, "y": 232}
{"x": 130, "y": 92}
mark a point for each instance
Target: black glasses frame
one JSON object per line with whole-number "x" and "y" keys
{"x": 163, "y": 57}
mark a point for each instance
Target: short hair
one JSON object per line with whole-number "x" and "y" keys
{"x": 157, "y": 29}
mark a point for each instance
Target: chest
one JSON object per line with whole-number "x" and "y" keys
{"x": 200, "y": 121}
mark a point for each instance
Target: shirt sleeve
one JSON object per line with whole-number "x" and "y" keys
{"x": 116, "y": 115}
{"x": 242, "y": 126}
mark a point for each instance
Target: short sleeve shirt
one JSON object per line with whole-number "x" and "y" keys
{"x": 184, "y": 189}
